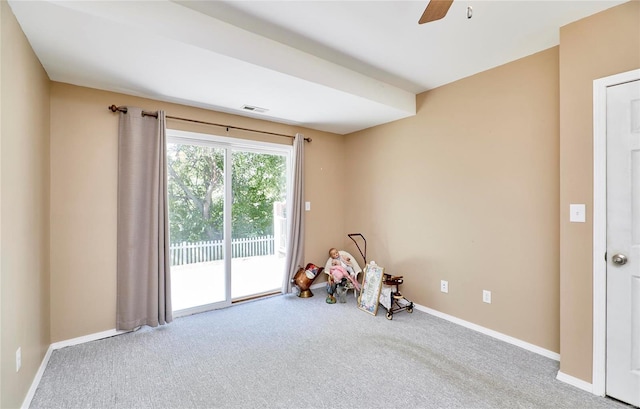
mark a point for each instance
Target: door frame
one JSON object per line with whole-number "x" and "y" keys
{"x": 229, "y": 144}
{"x": 600, "y": 223}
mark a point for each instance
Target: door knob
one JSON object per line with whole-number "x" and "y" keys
{"x": 619, "y": 259}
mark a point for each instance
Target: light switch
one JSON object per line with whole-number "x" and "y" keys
{"x": 307, "y": 206}
{"x": 577, "y": 213}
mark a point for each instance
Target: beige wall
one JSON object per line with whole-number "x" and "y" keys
{"x": 467, "y": 191}
{"x": 604, "y": 44}
{"x": 476, "y": 188}
{"x": 473, "y": 190}
{"x": 84, "y": 137}
{"x": 24, "y": 190}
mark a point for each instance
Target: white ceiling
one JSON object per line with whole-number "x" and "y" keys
{"x": 336, "y": 66}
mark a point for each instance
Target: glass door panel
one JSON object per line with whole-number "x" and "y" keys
{"x": 195, "y": 190}
{"x": 258, "y": 223}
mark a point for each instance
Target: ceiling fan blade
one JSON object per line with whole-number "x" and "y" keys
{"x": 436, "y": 9}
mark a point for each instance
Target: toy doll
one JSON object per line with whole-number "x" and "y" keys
{"x": 340, "y": 272}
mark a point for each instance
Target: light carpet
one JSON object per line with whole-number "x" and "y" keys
{"x": 290, "y": 352}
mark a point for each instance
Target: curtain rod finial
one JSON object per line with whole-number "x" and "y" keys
{"x": 114, "y": 108}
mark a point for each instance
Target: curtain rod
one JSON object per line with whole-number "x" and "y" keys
{"x": 114, "y": 108}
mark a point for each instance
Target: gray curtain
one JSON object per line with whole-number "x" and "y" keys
{"x": 143, "y": 277}
{"x": 295, "y": 216}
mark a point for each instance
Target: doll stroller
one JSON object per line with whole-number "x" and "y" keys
{"x": 390, "y": 297}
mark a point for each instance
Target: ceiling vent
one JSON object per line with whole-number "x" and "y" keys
{"x": 254, "y": 109}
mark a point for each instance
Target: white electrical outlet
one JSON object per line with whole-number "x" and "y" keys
{"x": 486, "y": 296}
{"x": 444, "y": 286}
{"x": 18, "y": 359}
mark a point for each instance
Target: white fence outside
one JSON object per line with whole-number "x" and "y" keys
{"x": 203, "y": 251}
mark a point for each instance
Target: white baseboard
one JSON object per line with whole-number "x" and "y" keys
{"x": 86, "y": 338}
{"x": 506, "y": 338}
{"x": 57, "y": 345}
{"x": 498, "y": 335}
{"x": 322, "y": 284}
{"x": 36, "y": 380}
{"x": 311, "y": 287}
{"x": 578, "y": 383}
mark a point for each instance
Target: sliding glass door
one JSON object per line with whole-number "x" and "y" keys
{"x": 259, "y": 194}
{"x": 195, "y": 188}
{"x": 227, "y": 201}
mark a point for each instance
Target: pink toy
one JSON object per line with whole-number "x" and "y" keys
{"x": 338, "y": 273}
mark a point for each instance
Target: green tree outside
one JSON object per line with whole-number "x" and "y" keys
{"x": 196, "y": 192}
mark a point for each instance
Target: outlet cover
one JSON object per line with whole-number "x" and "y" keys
{"x": 18, "y": 359}
{"x": 486, "y": 296}
{"x": 444, "y": 286}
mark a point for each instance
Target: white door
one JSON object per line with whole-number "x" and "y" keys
{"x": 623, "y": 243}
